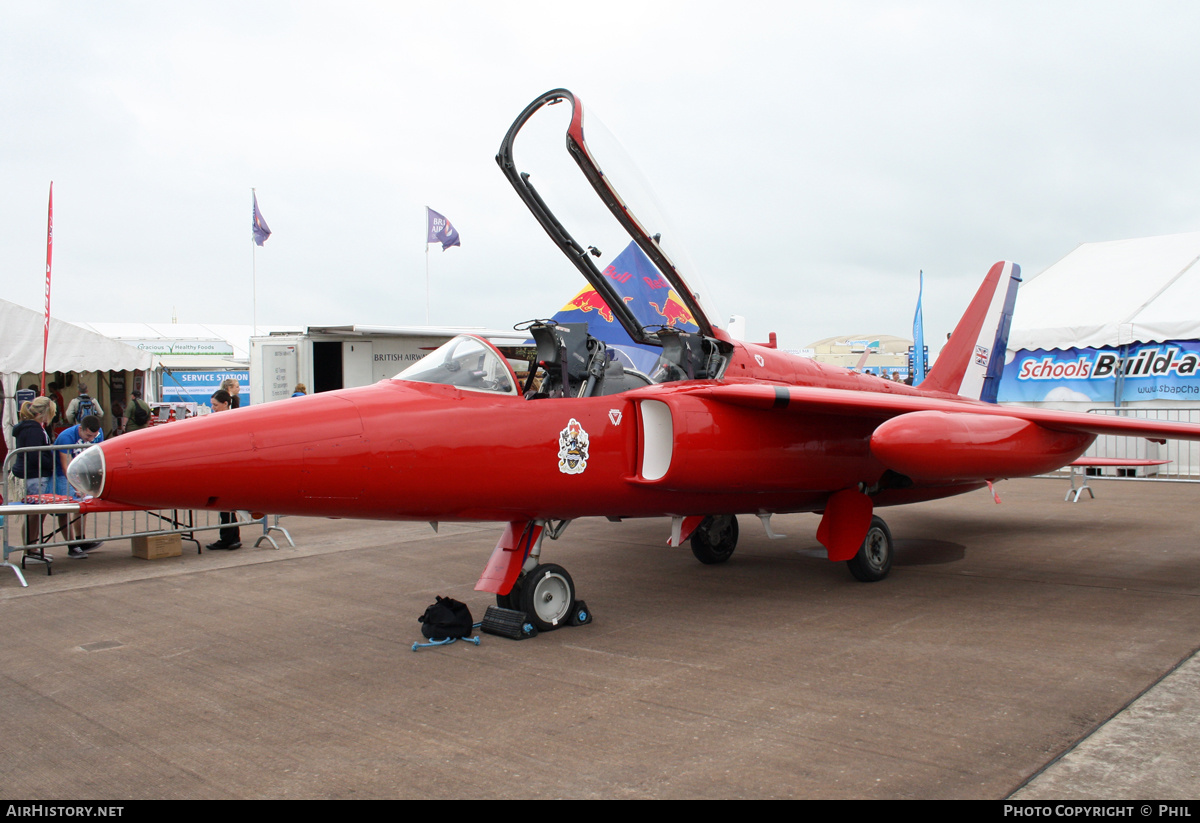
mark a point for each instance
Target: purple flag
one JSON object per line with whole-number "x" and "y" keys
{"x": 440, "y": 230}
{"x": 261, "y": 230}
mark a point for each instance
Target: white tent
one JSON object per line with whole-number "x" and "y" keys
{"x": 1145, "y": 290}
{"x": 184, "y": 340}
{"x": 71, "y": 349}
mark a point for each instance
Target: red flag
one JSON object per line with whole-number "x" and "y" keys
{"x": 49, "y": 249}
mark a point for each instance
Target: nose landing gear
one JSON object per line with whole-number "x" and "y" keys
{"x": 546, "y": 595}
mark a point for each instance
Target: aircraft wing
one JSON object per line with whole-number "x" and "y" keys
{"x": 884, "y": 406}
{"x": 933, "y": 441}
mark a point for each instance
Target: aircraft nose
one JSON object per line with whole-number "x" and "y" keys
{"x": 86, "y": 472}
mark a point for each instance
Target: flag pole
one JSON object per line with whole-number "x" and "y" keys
{"x": 426, "y": 265}
{"x": 253, "y": 274}
{"x": 49, "y": 250}
{"x": 260, "y": 231}
{"x": 437, "y": 229}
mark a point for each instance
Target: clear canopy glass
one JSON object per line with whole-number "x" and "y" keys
{"x": 467, "y": 362}
{"x": 594, "y": 223}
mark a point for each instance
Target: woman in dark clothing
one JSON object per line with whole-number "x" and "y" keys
{"x": 37, "y": 468}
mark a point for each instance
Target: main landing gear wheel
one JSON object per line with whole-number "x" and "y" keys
{"x": 714, "y": 540}
{"x": 874, "y": 558}
{"x": 546, "y": 595}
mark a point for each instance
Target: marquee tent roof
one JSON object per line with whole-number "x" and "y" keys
{"x": 71, "y": 349}
{"x": 1145, "y": 290}
{"x": 160, "y": 337}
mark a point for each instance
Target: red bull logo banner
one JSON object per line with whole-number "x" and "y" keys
{"x": 641, "y": 286}
{"x": 1142, "y": 371}
{"x": 588, "y": 300}
{"x": 673, "y": 312}
{"x": 649, "y": 296}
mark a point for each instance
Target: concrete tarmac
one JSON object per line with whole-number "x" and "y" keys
{"x": 1005, "y": 654}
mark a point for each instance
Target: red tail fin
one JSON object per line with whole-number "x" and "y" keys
{"x": 973, "y": 359}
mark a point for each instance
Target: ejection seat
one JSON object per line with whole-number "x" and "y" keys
{"x": 686, "y": 356}
{"x": 574, "y": 363}
{"x": 617, "y": 379}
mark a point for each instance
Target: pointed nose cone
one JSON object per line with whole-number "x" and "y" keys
{"x": 86, "y": 472}
{"x": 251, "y": 458}
{"x": 395, "y": 450}
{"x": 296, "y": 456}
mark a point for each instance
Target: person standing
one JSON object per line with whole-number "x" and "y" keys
{"x": 54, "y": 392}
{"x": 36, "y": 468}
{"x": 137, "y": 415}
{"x": 82, "y": 406}
{"x": 231, "y": 387}
{"x": 231, "y": 536}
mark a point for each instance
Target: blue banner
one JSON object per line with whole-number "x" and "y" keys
{"x": 198, "y": 385}
{"x": 1140, "y": 371}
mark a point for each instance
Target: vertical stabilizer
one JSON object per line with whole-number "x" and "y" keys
{"x": 973, "y": 359}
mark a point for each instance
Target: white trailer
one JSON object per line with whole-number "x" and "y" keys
{"x": 325, "y": 358}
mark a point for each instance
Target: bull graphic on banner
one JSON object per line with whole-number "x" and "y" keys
{"x": 647, "y": 294}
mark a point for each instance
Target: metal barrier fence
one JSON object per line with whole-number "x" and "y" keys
{"x": 32, "y": 536}
{"x": 1184, "y": 455}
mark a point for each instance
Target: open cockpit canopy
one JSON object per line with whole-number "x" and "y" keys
{"x": 595, "y": 223}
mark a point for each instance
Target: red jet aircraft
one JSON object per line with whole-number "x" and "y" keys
{"x": 718, "y": 428}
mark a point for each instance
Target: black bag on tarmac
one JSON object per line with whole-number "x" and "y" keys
{"x": 446, "y": 618}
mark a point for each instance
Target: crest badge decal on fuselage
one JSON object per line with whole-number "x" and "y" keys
{"x": 572, "y": 448}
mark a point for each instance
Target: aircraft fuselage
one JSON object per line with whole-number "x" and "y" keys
{"x": 404, "y": 450}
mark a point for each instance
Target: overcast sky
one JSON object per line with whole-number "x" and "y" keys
{"x": 815, "y": 156}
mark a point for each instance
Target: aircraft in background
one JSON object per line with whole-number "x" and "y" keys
{"x": 711, "y": 429}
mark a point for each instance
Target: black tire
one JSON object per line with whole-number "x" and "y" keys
{"x": 547, "y": 596}
{"x": 874, "y": 558}
{"x": 715, "y": 539}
